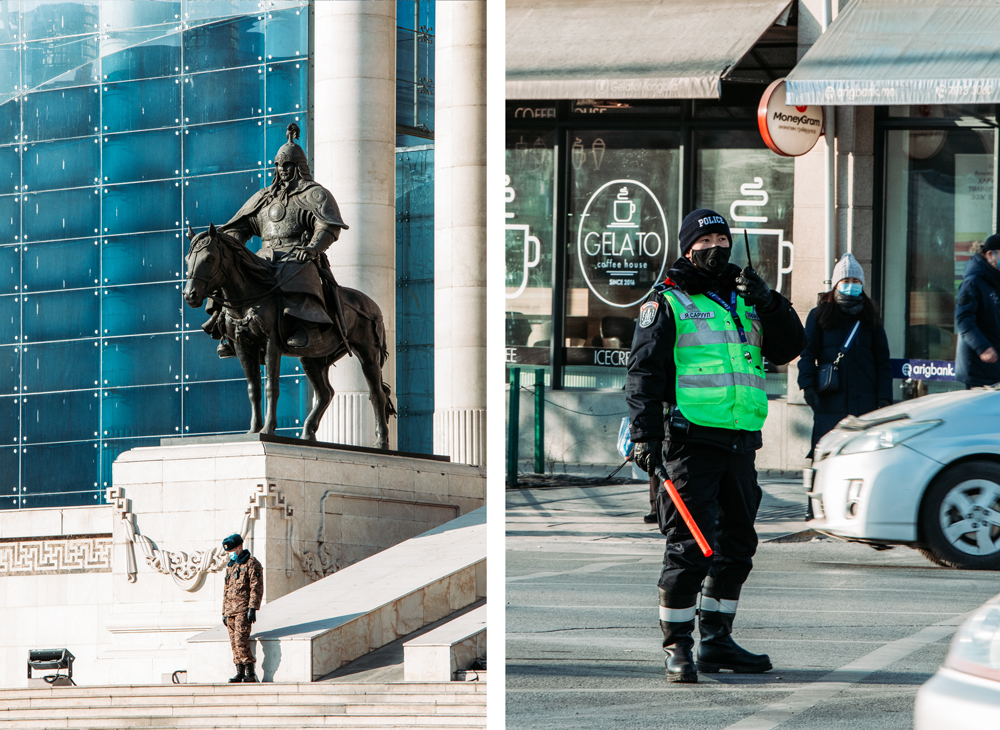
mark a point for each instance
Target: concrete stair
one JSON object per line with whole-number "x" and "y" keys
{"x": 436, "y": 656}
{"x": 313, "y": 631}
{"x": 430, "y": 705}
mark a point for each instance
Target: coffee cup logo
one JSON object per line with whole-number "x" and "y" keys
{"x": 623, "y": 210}
{"x": 622, "y": 242}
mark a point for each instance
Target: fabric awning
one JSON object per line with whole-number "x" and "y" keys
{"x": 903, "y": 52}
{"x": 629, "y": 49}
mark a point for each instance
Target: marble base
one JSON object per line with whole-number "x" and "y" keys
{"x": 307, "y": 511}
{"x": 439, "y": 654}
{"x": 309, "y": 633}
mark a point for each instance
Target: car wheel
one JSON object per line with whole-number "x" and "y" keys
{"x": 960, "y": 517}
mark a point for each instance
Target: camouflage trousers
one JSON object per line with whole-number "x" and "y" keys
{"x": 239, "y": 638}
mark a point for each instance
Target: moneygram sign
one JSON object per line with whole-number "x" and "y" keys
{"x": 788, "y": 130}
{"x": 622, "y": 242}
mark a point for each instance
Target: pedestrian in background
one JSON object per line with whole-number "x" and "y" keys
{"x": 847, "y": 321}
{"x": 977, "y": 317}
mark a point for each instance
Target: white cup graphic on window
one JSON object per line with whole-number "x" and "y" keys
{"x": 623, "y": 210}
{"x": 529, "y": 242}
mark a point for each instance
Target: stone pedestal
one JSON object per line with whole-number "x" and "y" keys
{"x": 305, "y": 512}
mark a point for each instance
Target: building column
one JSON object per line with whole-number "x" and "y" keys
{"x": 460, "y": 232}
{"x": 354, "y": 142}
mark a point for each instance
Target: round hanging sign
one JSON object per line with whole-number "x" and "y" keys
{"x": 788, "y": 130}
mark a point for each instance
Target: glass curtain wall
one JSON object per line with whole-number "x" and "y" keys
{"x": 595, "y": 192}
{"x": 753, "y": 188}
{"x": 121, "y": 124}
{"x": 415, "y": 225}
{"x": 939, "y": 202}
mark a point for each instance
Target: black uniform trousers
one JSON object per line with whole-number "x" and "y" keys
{"x": 720, "y": 490}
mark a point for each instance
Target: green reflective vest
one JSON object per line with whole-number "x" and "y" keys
{"x": 720, "y": 380}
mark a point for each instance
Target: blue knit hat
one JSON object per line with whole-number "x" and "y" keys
{"x": 699, "y": 222}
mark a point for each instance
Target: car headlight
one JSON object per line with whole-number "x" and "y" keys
{"x": 887, "y": 436}
{"x": 976, "y": 647}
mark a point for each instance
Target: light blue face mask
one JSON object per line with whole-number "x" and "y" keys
{"x": 851, "y": 290}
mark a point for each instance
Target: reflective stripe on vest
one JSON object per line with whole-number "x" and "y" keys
{"x": 716, "y": 384}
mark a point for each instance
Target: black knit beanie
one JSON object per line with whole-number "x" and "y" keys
{"x": 699, "y": 222}
{"x": 992, "y": 243}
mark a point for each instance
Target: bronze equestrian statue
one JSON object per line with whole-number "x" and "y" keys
{"x": 284, "y": 300}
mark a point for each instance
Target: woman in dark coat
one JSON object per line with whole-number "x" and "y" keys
{"x": 864, "y": 373}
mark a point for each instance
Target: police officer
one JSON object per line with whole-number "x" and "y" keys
{"x": 698, "y": 351}
{"x": 244, "y": 589}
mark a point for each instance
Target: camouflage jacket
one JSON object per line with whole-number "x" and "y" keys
{"x": 244, "y": 587}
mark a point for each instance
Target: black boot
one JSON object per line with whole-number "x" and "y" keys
{"x": 225, "y": 349}
{"x": 677, "y": 646}
{"x": 717, "y": 650}
{"x": 251, "y": 675}
{"x": 651, "y": 517}
{"x": 240, "y": 676}
{"x": 298, "y": 338}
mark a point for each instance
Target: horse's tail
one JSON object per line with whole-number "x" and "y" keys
{"x": 383, "y": 347}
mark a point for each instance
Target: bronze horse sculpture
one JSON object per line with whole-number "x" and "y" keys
{"x": 221, "y": 267}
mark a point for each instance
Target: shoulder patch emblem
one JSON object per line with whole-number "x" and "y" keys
{"x": 648, "y": 313}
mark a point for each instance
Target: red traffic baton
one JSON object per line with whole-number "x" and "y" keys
{"x": 675, "y": 497}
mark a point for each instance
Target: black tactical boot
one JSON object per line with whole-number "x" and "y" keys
{"x": 677, "y": 646}
{"x": 251, "y": 675}
{"x": 240, "y": 676}
{"x": 225, "y": 349}
{"x": 717, "y": 650}
{"x": 651, "y": 517}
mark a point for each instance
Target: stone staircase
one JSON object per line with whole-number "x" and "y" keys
{"x": 425, "y": 705}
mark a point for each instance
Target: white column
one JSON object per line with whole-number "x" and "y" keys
{"x": 354, "y": 133}
{"x": 460, "y": 232}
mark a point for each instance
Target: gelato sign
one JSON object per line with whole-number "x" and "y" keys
{"x": 622, "y": 242}
{"x": 788, "y": 130}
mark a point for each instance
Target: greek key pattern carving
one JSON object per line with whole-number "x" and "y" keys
{"x": 188, "y": 571}
{"x": 56, "y": 556}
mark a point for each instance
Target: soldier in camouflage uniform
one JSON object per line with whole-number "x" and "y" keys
{"x": 244, "y": 588}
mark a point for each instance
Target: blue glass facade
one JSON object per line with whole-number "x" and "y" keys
{"x": 415, "y": 224}
{"x": 121, "y": 123}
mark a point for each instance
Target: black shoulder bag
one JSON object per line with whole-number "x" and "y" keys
{"x": 827, "y": 377}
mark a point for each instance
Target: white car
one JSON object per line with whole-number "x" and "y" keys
{"x": 923, "y": 473}
{"x": 965, "y": 692}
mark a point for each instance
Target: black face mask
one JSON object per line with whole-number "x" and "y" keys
{"x": 711, "y": 260}
{"x": 849, "y": 304}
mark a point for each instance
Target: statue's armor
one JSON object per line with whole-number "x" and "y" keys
{"x": 307, "y": 217}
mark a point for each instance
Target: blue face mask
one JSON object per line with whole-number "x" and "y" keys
{"x": 851, "y": 290}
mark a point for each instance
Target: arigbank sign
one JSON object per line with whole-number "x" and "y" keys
{"x": 622, "y": 242}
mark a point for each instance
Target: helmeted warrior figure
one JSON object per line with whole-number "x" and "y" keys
{"x": 297, "y": 220}
{"x": 244, "y": 589}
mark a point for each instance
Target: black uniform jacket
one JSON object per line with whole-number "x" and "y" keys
{"x": 652, "y": 374}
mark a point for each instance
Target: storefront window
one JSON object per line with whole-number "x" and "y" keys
{"x": 621, "y": 237}
{"x": 939, "y": 201}
{"x": 530, "y": 209}
{"x": 752, "y": 187}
